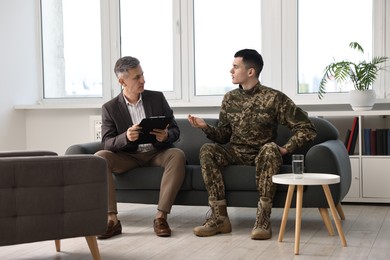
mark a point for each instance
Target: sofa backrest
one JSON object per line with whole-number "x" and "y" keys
{"x": 16, "y": 153}
{"x": 191, "y": 139}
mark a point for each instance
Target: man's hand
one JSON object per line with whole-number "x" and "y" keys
{"x": 161, "y": 134}
{"x": 132, "y": 133}
{"x": 197, "y": 122}
{"x": 282, "y": 150}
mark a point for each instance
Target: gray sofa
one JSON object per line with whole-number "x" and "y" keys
{"x": 326, "y": 154}
{"x": 40, "y": 198}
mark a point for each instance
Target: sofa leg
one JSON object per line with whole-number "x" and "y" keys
{"x": 340, "y": 211}
{"x": 58, "y": 245}
{"x": 325, "y": 217}
{"x": 93, "y": 247}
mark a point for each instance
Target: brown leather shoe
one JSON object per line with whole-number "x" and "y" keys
{"x": 112, "y": 230}
{"x": 161, "y": 227}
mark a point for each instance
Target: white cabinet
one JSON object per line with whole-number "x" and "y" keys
{"x": 376, "y": 178}
{"x": 354, "y": 190}
{"x": 370, "y": 180}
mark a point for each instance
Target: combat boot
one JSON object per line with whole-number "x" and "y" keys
{"x": 217, "y": 220}
{"x": 262, "y": 229}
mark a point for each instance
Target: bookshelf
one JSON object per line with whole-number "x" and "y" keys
{"x": 370, "y": 172}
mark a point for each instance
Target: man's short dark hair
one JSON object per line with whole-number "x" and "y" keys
{"x": 251, "y": 59}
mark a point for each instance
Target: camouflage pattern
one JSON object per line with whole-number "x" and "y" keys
{"x": 248, "y": 121}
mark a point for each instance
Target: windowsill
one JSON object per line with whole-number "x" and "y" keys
{"x": 59, "y": 106}
{"x": 80, "y": 105}
{"x": 381, "y": 104}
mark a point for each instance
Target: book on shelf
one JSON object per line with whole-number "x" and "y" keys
{"x": 353, "y": 136}
{"x": 388, "y": 141}
{"x": 376, "y": 141}
{"x": 373, "y": 142}
{"x": 353, "y": 144}
{"x": 366, "y": 141}
{"x": 379, "y": 141}
{"x": 385, "y": 146}
{"x": 347, "y": 138}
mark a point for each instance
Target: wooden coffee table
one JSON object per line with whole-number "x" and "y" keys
{"x": 308, "y": 179}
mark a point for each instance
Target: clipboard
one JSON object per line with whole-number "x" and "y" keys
{"x": 150, "y": 123}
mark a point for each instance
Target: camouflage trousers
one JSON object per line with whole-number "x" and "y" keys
{"x": 214, "y": 157}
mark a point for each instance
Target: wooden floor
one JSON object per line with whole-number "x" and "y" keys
{"x": 367, "y": 230}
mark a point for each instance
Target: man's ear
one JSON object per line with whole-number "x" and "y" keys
{"x": 251, "y": 72}
{"x": 121, "y": 81}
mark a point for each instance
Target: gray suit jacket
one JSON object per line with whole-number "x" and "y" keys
{"x": 116, "y": 120}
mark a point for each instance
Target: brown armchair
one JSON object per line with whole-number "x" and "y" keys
{"x": 48, "y": 197}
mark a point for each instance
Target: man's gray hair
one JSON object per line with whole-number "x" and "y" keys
{"x": 124, "y": 64}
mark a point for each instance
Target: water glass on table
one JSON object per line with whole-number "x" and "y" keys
{"x": 297, "y": 165}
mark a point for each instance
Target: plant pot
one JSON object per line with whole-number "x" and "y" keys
{"x": 362, "y": 99}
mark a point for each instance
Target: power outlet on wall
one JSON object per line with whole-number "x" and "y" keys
{"x": 96, "y": 127}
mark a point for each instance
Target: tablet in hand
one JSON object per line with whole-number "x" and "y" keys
{"x": 150, "y": 123}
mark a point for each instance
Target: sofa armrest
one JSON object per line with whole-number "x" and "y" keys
{"x": 86, "y": 148}
{"x": 22, "y": 153}
{"x": 331, "y": 157}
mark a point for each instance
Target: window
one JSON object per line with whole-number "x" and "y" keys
{"x": 186, "y": 47}
{"x": 221, "y": 28}
{"x": 71, "y": 46}
{"x": 325, "y": 30}
{"x": 147, "y": 33}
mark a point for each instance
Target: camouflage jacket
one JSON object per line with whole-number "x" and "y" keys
{"x": 249, "y": 118}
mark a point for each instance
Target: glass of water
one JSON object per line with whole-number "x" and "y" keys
{"x": 297, "y": 165}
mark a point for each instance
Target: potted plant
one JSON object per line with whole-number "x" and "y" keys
{"x": 362, "y": 75}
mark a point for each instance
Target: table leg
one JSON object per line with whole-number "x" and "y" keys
{"x": 298, "y": 218}
{"x": 332, "y": 207}
{"x": 287, "y": 205}
{"x": 340, "y": 211}
{"x": 325, "y": 217}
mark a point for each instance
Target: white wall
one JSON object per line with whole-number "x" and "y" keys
{"x": 52, "y": 129}
{"x": 57, "y": 129}
{"x": 18, "y": 69}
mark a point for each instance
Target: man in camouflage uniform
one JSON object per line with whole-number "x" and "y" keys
{"x": 248, "y": 120}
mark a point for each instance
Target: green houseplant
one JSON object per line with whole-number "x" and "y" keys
{"x": 362, "y": 74}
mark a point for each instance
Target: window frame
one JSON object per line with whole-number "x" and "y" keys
{"x": 289, "y": 73}
{"x": 105, "y": 54}
{"x": 279, "y": 50}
